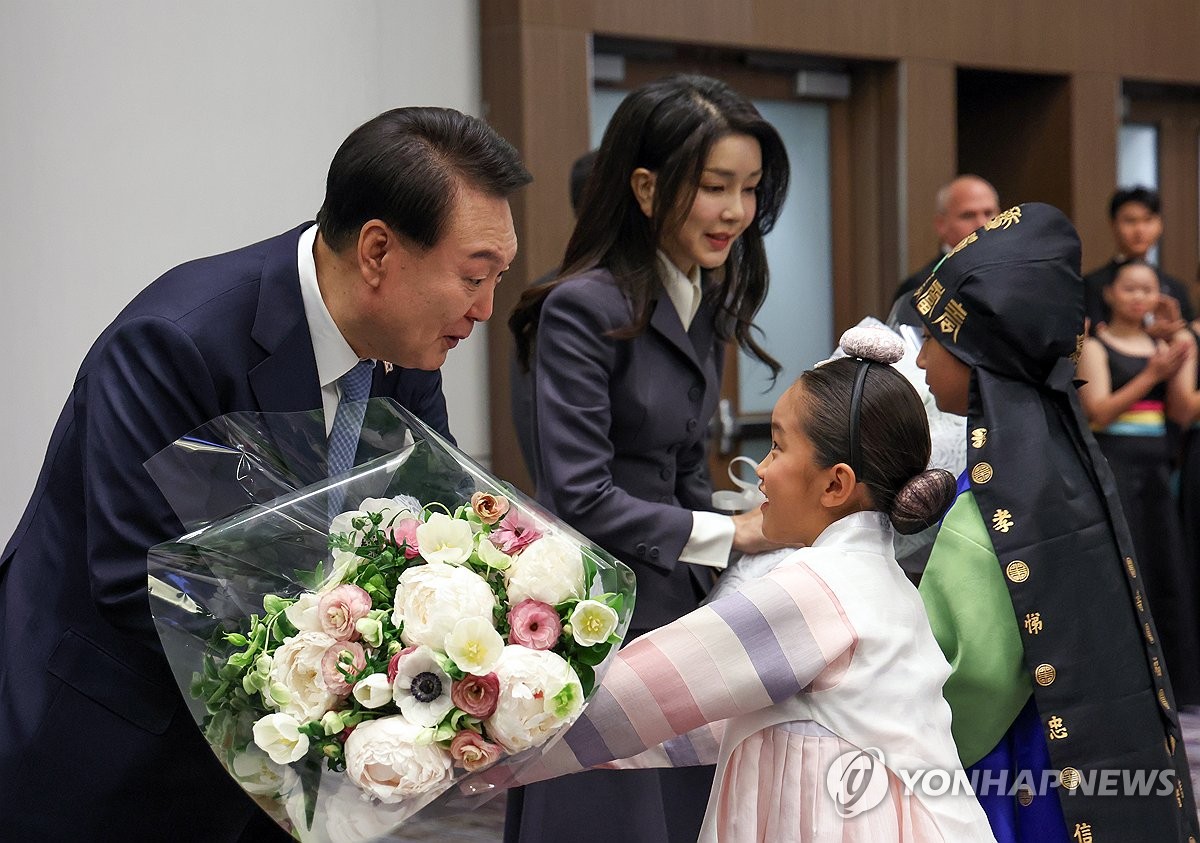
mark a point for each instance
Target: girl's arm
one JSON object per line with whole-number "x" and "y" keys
{"x": 672, "y": 688}
{"x": 1183, "y": 399}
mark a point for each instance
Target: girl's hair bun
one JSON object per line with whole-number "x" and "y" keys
{"x": 879, "y": 345}
{"x": 923, "y": 500}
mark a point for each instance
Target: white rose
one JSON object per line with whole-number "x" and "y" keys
{"x": 549, "y": 570}
{"x": 592, "y": 622}
{"x": 539, "y": 694}
{"x": 297, "y": 667}
{"x": 393, "y": 759}
{"x": 373, "y": 691}
{"x": 258, "y": 774}
{"x": 445, "y": 539}
{"x": 431, "y": 599}
{"x": 279, "y": 736}
{"x": 303, "y": 613}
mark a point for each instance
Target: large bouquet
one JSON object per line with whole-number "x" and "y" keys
{"x": 348, "y": 670}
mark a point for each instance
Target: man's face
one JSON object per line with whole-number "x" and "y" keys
{"x": 970, "y": 203}
{"x": 428, "y": 301}
{"x": 1136, "y": 229}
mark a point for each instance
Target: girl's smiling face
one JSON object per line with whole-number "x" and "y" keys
{"x": 790, "y": 477}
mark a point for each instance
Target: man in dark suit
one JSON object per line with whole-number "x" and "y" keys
{"x": 963, "y": 204}
{"x": 96, "y": 742}
{"x": 1135, "y": 214}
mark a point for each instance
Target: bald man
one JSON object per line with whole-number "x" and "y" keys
{"x": 963, "y": 205}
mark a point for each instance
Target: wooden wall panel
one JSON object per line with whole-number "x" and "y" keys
{"x": 1095, "y": 98}
{"x": 928, "y": 151}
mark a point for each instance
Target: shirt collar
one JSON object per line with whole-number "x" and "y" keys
{"x": 683, "y": 290}
{"x": 334, "y": 355}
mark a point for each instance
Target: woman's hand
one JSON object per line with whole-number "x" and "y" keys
{"x": 1167, "y": 321}
{"x": 748, "y": 535}
{"x": 1167, "y": 358}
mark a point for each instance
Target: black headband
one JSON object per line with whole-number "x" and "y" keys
{"x": 855, "y": 411}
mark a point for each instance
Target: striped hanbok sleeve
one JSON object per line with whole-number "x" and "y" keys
{"x": 670, "y": 690}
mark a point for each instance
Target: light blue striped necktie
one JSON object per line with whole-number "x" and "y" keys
{"x": 347, "y": 422}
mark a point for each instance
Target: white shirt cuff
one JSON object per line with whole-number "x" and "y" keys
{"x": 710, "y": 542}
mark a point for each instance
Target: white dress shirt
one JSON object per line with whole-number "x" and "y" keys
{"x": 711, "y": 539}
{"x": 334, "y": 355}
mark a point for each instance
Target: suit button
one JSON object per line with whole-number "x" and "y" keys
{"x": 692, "y": 425}
{"x": 640, "y": 549}
{"x": 654, "y": 553}
{"x": 665, "y": 474}
{"x": 694, "y": 393}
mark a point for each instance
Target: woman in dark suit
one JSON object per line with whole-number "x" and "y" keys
{"x": 666, "y": 265}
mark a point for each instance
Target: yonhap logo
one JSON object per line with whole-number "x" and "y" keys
{"x": 857, "y": 781}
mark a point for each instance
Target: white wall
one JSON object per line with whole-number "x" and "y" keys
{"x": 137, "y": 134}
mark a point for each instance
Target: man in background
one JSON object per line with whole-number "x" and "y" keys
{"x": 963, "y": 205}
{"x": 1135, "y": 214}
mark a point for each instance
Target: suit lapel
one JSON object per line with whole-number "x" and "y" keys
{"x": 665, "y": 321}
{"x": 287, "y": 379}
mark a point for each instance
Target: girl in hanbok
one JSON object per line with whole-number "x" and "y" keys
{"x": 816, "y": 689}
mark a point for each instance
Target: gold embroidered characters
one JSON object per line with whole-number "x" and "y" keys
{"x": 1002, "y": 521}
{"x": 1004, "y": 219}
{"x": 1033, "y": 623}
{"x": 952, "y": 318}
{"x": 962, "y": 244}
{"x": 979, "y": 437}
{"x": 1056, "y": 728}
{"x": 1083, "y": 833}
{"x": 929, "y": 299}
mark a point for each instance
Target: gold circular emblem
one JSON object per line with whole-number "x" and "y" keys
{"x": 1069, "y": 777}
{"x": 1017, "y": 571}
{"x": 1129, "y": 566}
{"x": 1044, "y": 674}
{"x": 1162, "y": 698}
{"x": 1024, "y": 796}
{"x": 981, "y": 473}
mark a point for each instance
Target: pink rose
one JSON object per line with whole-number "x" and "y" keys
{"x": 514, "y": 533}
{"x": 340, "y": 609}
{"x": 471, "y": 752}
{"x": 534, "y": 624}
{"x": 404, "y": 534}
{"x": 394, "y": 661}
{"x": 347, "y": 656}
{"x": 476, "y": 695}
{"x": 490, "y": 508}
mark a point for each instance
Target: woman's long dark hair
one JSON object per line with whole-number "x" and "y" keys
{"x": 669, "y": 128}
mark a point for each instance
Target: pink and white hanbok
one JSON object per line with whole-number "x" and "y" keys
{"x": 828, "y": 654}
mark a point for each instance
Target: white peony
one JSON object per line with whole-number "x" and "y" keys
{"x": 258, "y": 774}
{"x": 445, "y": 539}
{"x": 549, "y": 570}
{"x": 279, "y": 736}
{"x": 393, "y": 759}
{"x": 431, "y": 599}
{"x": 297, "y": 667}
{"x": 373, "y": 691}
{"x": 474, "y": 645}
{"x": 539, "y": 693}
{"x": 592, "y": 622}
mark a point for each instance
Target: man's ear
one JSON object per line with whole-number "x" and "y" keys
{"x": 840, "y": 486}
{"x": 375, "y": 243}
{"x": 642, "y": 184}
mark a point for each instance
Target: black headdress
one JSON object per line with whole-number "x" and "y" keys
{"x": 1008, "y": 302}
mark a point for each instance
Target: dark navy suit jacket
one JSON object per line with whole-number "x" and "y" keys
{"x": 621, "y": 433}
{"x": 95, "y": 739}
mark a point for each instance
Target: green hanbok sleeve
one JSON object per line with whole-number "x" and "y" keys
{"x": 973, "y": 621}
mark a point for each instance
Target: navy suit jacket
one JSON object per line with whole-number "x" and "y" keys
{"x": 621, "y": 433}
{"x": 95, "y": 738}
